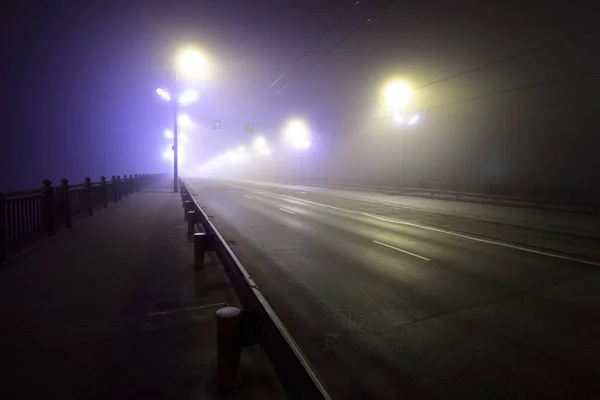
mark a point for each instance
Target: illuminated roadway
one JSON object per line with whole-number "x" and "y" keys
{"x": 386, "y": 308}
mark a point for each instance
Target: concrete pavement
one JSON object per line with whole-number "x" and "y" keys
{"x": 111, "y": 308}
{"x": 386, "y": 308}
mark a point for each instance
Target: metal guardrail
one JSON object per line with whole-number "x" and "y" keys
{"x": 30, "y": 215}
{"x": 260, "y": 324}
{"x": 531, "y": 202}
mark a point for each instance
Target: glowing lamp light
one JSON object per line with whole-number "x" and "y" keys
{"x": 163, "y": 93}
{"x": 397, "y": 94}
{"x": 184, "y": 120}
{"x": 191, "y": 64}
{"x": 296, "y": 135}
{"x": 168, "y": 134}
{"x": 414, "y": 119}
{"x": 261, "y": 146}
{"x": 168, "y": 154}
{"x": 188, "y": 96}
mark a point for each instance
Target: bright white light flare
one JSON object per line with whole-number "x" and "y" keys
{"x": 163, "y": 93}
{"x": 297, "y": 135}
{"x": 191, "y": 65}
{"x": 397, "y": 95}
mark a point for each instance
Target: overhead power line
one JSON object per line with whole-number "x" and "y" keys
{"x": 381, "y": 9}
{"x": 580, "y": 75}
{"x": 489, "y": 64}
{"x": 512, "y": 57}
{"x": 315, "y": 43}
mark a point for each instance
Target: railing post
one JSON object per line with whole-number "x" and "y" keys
{"x": 119, "y": 188}
{"x": 104, "y": 191}
{"x": 136, "y": 187}
{"x": 3, "y": 229}
{"x": 66, "y": 192}
{"x": 89, "y": 199}
{"x": 187, "y": 207}
{"x": 191, "y": 220}
{"x": 48, "y": 208}
{"x": 126, "y": 185}
{"x": 229, "y": 346}
{"x": 113, "y": 181}
{"x": 202, "y": 243}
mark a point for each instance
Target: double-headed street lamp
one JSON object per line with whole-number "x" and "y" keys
{"x": 191, "y": 66}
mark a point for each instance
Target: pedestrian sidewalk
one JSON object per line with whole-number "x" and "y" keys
{"x": 112, "y": 308}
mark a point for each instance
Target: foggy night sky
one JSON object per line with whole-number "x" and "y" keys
{"x": 79, "y": 82}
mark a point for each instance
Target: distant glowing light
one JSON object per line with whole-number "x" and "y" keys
{"x": 168, "y": 134}
{"x": 188, "y": 96}
{"x": 414, "y": 119}
{"x": 184, "y": 120}
{"x": 297, "y": 135}
{"x": 399, "y": 118}
{"x": 183, "y": 137}
{"x": 397, "y": 94}
{"x": 163, "y": 93}
{"x": 261, "y": 146}
{"x": 168, "y": 154}
{"x": 404, "y": 119}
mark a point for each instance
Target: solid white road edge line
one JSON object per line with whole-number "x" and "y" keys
{"x": 287, "y": 211}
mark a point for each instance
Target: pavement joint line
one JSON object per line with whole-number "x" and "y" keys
{"x": 117, "y": 320}
{"x": 287, "y": 211}
{"x": 401, "y": 250}
{"x": 448, "y": 232}
{"x": 158, "y": 313}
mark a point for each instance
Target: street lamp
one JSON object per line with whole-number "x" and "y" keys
{"x": 397, "y": 95}
{"x": 261, "y": 146}
{"x": 297, "y": 136}
{"x": 190, "y": 66}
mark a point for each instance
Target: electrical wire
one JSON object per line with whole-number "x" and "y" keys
{"x": 359, "y": 27}
{"x": 489, "y": 64}
{"x": 512, "y": 57}
{"x": 315, "y": 43}
{"x": 580, "y": 75}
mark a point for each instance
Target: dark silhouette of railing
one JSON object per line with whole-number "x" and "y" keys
{"x": 30, "y": 215}
{"x": 259, "y": 324}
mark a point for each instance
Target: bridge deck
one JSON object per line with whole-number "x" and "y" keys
{"x": 112, "y": 308}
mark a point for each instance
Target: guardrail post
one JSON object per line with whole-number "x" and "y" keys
{"x": 187, "y": 206}
{"x": 48, "y": 208}
{"x": 185, "y": 197}
{"x": 191, "y": 220}
{"x": 3, "y": 229}
{"x": 89, "y": 196}
{"x": 66, "y": 192}
{"x": 119, "y": 188}
{"x": 104, "y": 191}
{"x": 229, "y": 346}
{"x": 202, "y": 243}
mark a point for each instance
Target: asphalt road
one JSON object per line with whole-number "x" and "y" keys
{"x": 385, "y": 308}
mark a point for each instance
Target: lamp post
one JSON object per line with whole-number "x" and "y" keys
{"x": 190, "y": 66}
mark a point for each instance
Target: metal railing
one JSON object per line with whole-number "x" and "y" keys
{"x": 30, "y": 215}
{"x": 260, "y": 324}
